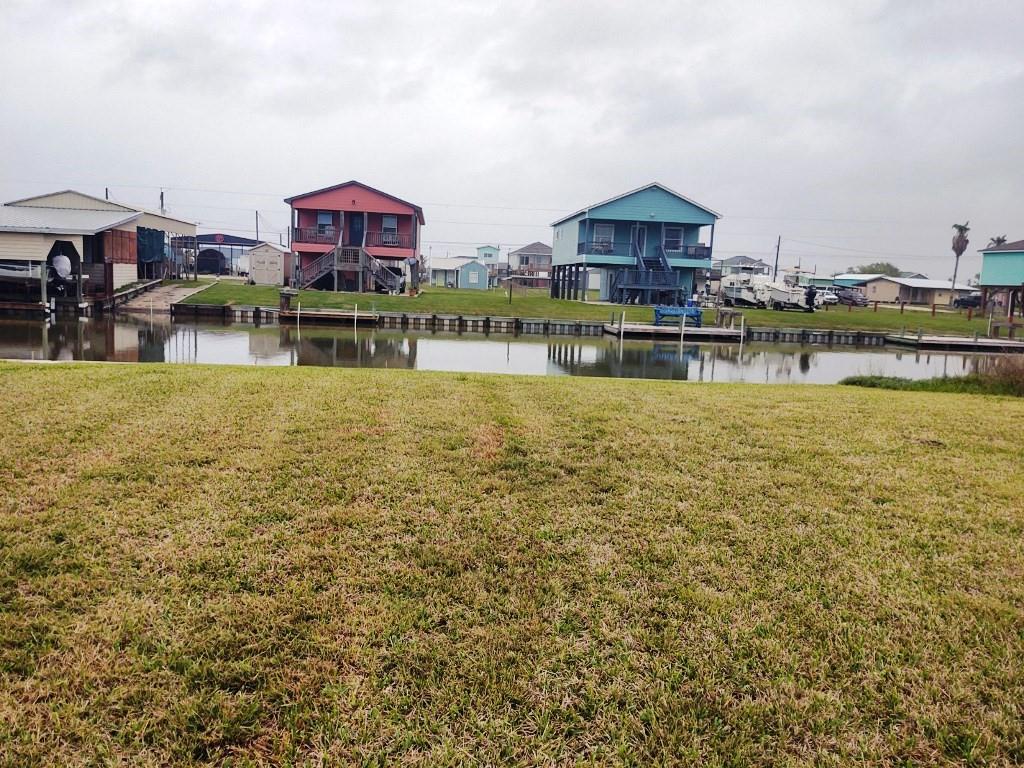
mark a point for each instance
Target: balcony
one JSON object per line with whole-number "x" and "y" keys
{"x": 389, "y": 240}
{"x": 604, "y": 248}
{"x": 322, "y": 235}
{"x": 679, "y": 251}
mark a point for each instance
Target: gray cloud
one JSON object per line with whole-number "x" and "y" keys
{"x": 867, "y": 127}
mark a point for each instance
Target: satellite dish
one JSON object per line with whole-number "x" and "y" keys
{"x": 62, "y": 266}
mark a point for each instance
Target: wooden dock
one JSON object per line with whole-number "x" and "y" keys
{"x": 671, "y": 332}
{"x": 957, "y": 343}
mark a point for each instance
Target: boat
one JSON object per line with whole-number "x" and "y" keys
{"x": 783, "y": 295}
{"x": 744, "y": 290}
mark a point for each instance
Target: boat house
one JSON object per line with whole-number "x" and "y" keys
{"x": 648, "y": 246}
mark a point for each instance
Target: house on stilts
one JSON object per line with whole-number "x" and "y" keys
{"x": 353, "y": 237}
{"x": 647, "y": 246}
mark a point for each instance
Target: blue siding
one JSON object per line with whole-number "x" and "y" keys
{"x": 653, "y": 204}
{"x": 1003, "y": 269}
{"x": 470, "y": 268}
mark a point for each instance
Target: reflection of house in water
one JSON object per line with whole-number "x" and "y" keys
{"x": 98, "y": 340}
{"x": 633, "y": 360}
{"x": 340, "y": 348}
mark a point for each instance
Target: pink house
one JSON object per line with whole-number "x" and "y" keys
{"x": 353, "y": 237}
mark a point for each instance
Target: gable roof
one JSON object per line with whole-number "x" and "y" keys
{"x": 533, "y": 249}
{"x": 98, "y": 204}
{"x": 61, "y": 221}
{"x": 275, "y": 246}
{"x": 452, "y": 262}
{"x": 653, "y": 184}
{"x": 918, "y": 282}
{"x": 39, "y": 201}
{"x": 1016, "y": 245}
{"x": 350, "y": 182}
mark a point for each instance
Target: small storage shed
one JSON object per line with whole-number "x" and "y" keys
{"x": 458, "y": 273}
{"x": 270, "y": 264}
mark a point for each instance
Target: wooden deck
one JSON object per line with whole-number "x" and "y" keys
{"x": 957, "y": 343}
{"x": 671, "y": 332}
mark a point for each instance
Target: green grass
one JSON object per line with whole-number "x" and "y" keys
{"x": 867, "y": 319}
{"x": 537, "y": 303}
{"x": 308, "y": 566}
{"x": 999, "y": 376}
{"x": 534, "y": 302}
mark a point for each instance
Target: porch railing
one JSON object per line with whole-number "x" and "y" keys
{"x": 674, "y": 251}
{"x": 324, "y": 235}
{"x": 603, "y": 248}
{"x": 389, "y": 239}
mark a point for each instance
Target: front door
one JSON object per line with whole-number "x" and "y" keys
{"x": 640, "y": 239}
{"x": 355, "y": 230}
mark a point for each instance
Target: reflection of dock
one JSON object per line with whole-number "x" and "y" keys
{"x": 957, "y": 343}
{"x": 328, "y": 317}
{"x": 667, "y": 332}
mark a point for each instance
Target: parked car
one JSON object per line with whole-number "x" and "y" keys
{"x": 826, "y": 297}
{"x": 852, "y": 297}
{"x": 972, "y": 300}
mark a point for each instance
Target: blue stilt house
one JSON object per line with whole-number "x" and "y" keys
{"x": 646, "y": 244}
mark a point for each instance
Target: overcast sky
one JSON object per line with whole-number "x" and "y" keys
{"x": 858, "y": 130}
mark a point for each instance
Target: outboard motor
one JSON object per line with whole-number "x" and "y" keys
{"x": 59, "y": 274}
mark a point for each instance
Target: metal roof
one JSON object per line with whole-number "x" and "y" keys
{"x": 62, "y": 221}
{"x": 218, "y": 238}
{"x": 30, "y": 201}
{"x": 453, "y": 262}
{"x": 1016, "y": 245}
{"x": 657, "y": 184}
{"x": 275, "y": 246}
{"x": 918, "y": 282}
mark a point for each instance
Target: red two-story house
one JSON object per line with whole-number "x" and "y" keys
{"x": 351, "y": 237}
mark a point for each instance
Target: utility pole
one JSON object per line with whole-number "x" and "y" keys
{"x": 162, "y": 209}
{"x": 775, "y": 274}
{"x": 106, "y": 193}
{"x": 257, "y": 225}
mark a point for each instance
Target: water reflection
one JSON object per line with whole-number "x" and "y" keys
{"x": 137, "y": 340}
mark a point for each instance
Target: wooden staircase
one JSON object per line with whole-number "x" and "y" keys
{"x": 352, "y": 259}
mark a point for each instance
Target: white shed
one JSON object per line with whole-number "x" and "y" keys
{"x": 269, "y": 264}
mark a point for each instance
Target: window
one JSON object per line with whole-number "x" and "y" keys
{"x": 474, "y": 277}
{"x": 604, "y": 238}
{"x": 324, "y": 221}
{"x": 524, "y": 260}
{"x": 389, "y": 229}
{"x": 673, "y": 238}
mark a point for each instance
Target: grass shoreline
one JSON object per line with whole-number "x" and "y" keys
{"x": 537, "y": 304}
{"x": 298, "y": 565}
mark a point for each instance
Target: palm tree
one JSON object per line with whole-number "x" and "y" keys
{"x": 995, "y": 242}
{"x": 960, "y": 242}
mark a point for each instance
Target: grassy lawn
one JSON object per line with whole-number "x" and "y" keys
{"x": 867, "y": 319}
{"x": 374, "y": 567}
{"x": 537, "y": 303}
{"x": 533, "y": 302}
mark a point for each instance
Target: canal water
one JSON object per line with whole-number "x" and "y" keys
{"x": 127, "y": 339}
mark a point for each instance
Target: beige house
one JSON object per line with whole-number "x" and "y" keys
{"x": 78, "y": 248}
{"x": 270, "y": 264}
{"x": 911, "y": 290}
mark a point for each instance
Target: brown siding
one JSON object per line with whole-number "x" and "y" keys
{"x": 120, "y": 247}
